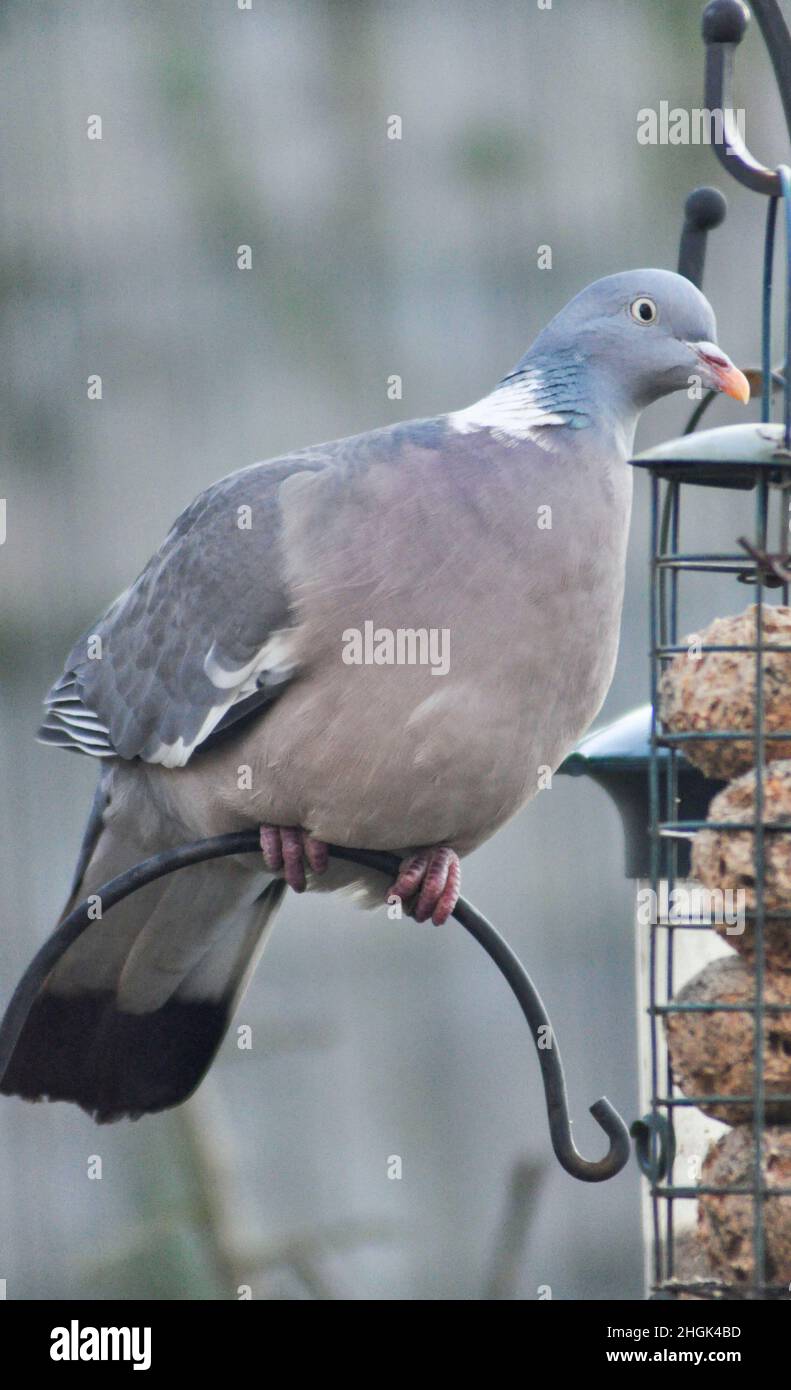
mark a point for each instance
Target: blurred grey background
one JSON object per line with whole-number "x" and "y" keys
{"x": 370, "y": 257}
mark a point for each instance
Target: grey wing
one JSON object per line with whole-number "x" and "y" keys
{"x": 196, "y": 641}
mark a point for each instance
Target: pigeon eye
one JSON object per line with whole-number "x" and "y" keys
{"x": 643, "y": 310}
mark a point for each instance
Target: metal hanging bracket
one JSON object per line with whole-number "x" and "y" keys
{"x": 247, "y": 842}
{"x": 724, "y": 25}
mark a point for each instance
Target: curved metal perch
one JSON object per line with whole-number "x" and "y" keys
{"x": 246, "y": 842}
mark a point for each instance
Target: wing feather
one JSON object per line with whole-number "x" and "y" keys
{"x": 197, "y": 641}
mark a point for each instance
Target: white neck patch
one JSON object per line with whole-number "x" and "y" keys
{"x": 512, "y": 411}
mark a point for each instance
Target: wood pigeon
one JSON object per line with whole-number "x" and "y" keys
{"x": 382, "y": 642}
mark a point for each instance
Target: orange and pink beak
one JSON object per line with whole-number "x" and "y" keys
{"x": 719, "y": 373}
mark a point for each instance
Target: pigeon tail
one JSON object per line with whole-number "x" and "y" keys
{"x": 131, "y": 1016}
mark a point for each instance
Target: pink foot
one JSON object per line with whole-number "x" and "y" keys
{"x": 285, "y": 849}
{"x": 434, "y": 875}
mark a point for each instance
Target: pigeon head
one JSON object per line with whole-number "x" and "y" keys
{"x": 619, "y": 345}
{"x": 640, "y": 335}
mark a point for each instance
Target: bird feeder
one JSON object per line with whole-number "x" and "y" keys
{"x": 695, "y": 1175}
{"x": 715, "y": 1022}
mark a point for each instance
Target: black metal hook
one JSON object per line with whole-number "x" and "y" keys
{"x": 246, "y": 842}
{"x": 655, "y": 1146}
{"x": 724, "y": 24}
{"x": 704, "y": 209}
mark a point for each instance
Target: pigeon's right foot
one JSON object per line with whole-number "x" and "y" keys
{"x": 285, "y": 849}
{"x": 428, "y": 883}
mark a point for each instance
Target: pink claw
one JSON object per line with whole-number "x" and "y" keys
{"x": 435, "y": 876}
{"x": 285, "y": 849}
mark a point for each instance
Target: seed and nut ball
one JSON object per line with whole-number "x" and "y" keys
{"x": 725, "y": 1222}
{"x": 724, "y": 860}
{"x": 712, "y": 1053}
{"x": 777, "y": 942}
{"x": 717, "y": 691}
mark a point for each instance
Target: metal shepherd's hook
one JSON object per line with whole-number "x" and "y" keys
{"x": 247, "y": 842}
{"x": 724, "y": 23}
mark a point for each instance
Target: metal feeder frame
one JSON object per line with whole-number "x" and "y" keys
{"x": 724, "y": 23}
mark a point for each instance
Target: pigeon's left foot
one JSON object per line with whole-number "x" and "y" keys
{"x": 431, "y": 878}
{"x": 285, "y": 849}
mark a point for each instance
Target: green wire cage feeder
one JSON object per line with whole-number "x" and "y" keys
{"x": 714, "y": 1142}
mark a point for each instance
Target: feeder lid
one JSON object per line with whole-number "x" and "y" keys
{"x": 730, "y": 456}
{"x": 623, "y": 746}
